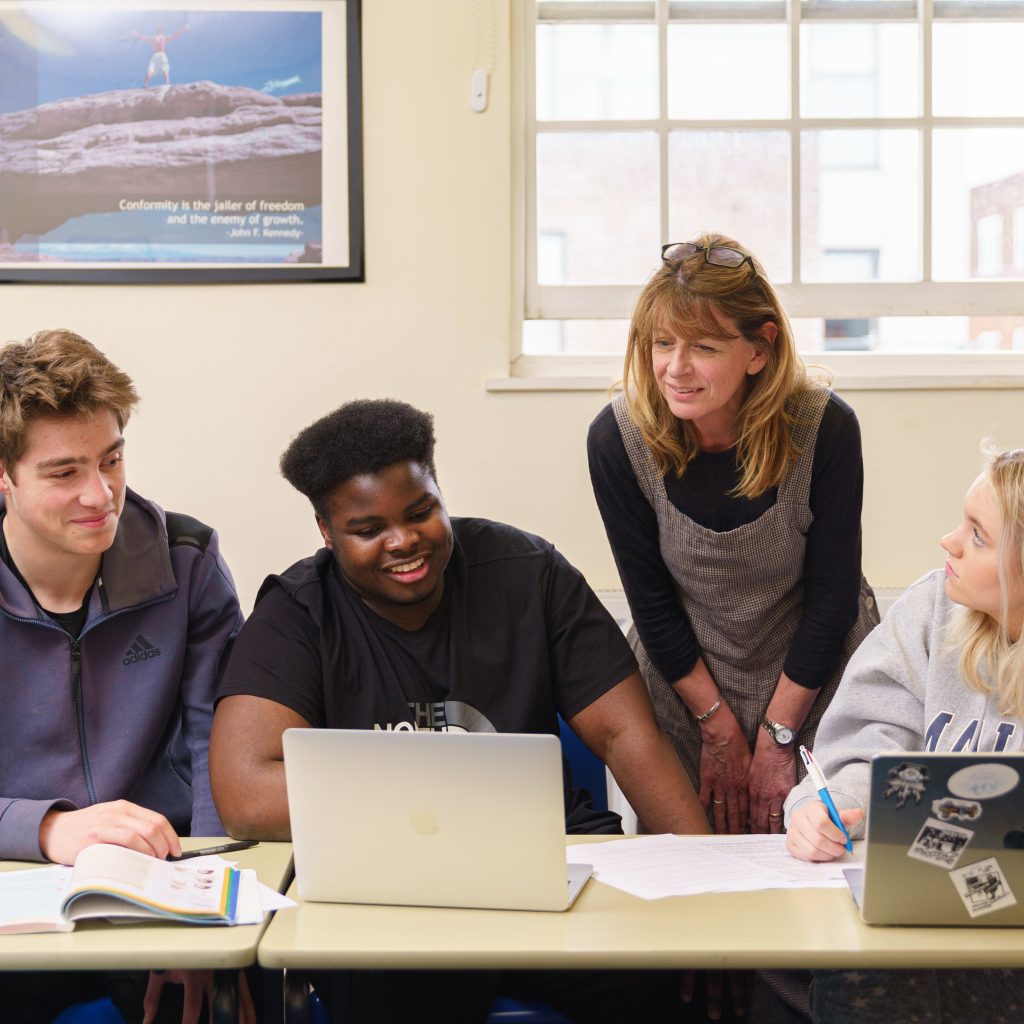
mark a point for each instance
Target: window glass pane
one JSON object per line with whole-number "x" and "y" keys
{"x": 860, "y": 205}
{"x": 859, "y": 70}
{"x": 736, "y": 183}
{"x": 541, "y": 4}
{"x": 595, "y": 72}
{"x": 577, "y": 337}
{"x": 909, "y": 334}
{"x": 976, "y": 69}
{"x": 989, "y": 240}
{"x": 978, "y": 186}
{"x": 598, "y": 191}
{"x": 833, "y": 5}
{"x": 903, "y": 334}
{"x": 728, "y": 71}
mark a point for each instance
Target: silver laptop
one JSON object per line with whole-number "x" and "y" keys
{"x": 945, "y": 841}
{"x": 439, "y": 819}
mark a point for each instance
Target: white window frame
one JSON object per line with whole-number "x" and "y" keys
{"x": 832, "y": 301}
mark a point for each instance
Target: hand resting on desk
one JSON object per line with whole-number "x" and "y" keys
{"x": 812, "y": 836}
{"x": 64, "y": 834}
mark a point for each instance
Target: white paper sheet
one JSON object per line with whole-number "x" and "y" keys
{"x": 256, "y": 900}
{"x": 653, "y": 867}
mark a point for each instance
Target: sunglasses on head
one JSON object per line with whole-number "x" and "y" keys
{"x": 716, "y": 255}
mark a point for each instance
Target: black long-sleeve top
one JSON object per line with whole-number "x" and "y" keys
{"x": 832, "y": 563}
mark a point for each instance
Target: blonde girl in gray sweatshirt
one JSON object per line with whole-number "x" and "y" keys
{"x": 943, "y": 671}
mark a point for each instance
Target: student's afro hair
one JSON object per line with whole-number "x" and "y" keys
{"x": 360, "y": 437}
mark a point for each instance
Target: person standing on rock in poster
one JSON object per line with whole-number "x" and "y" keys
{"x": 159, "y": 61}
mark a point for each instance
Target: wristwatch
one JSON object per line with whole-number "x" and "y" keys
{"x": 782, "y": 734}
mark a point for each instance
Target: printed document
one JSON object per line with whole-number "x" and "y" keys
{"x": 653, "y": 867}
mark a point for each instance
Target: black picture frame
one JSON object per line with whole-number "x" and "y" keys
{"x": 197, "y": 174}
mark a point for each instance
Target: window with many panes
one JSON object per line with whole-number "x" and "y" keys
{"x": 871, "y": 152}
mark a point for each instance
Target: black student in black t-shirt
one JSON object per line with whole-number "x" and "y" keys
{"x": 407, "y": 619}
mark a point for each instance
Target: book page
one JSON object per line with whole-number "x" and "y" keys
{"x": 197, "y": 889}
{"x": 103, "y": 864}
{"x": 30, "y": 900}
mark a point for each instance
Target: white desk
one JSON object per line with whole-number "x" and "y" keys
{"x": 610, "y": 929}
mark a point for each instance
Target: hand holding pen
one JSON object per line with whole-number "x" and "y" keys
{"x": 810, "y": 835}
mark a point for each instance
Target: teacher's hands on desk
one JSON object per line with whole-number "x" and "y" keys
{"x": 772, "y": 776}
{"x": 64, "y": 834}
{"x": 812, "y": 836}
{"x": 724, "y": 771}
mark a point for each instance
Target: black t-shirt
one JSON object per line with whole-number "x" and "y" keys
{"x": 71, "y": 622}
{"x": 517, "y": 638}
{"x": 832, "y": 563}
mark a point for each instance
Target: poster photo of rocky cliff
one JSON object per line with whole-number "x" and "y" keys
{"x": 143, "y": 141}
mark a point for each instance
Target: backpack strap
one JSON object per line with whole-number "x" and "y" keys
{"x": 183, "y": 529}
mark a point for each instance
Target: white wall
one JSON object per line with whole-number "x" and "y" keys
{"x": 229, "y": 373}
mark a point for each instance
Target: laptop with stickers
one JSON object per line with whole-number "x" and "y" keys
{"x": 945, "y": 840}
{"x": 438, "y": 819}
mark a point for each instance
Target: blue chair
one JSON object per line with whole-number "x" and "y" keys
{"x": 99, "y": 1011}
{"x": 587, "y": 768}
{"x": 511, "y": 1011}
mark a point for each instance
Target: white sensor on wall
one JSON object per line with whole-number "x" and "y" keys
{"x": 478, "y": 90}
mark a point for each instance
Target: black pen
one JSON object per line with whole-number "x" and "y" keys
{"x": 210, "y": 850}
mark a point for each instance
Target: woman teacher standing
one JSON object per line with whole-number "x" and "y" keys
{"x": 730, "y": 488}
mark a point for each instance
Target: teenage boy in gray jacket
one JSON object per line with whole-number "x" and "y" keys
{"x": 115, "y": 622}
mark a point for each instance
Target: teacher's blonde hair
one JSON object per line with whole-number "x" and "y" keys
{"x": 985, "y": 643}
{"x": 684, "y": 295}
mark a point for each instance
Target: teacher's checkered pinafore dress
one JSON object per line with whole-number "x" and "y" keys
{"x": 742, "y": 591}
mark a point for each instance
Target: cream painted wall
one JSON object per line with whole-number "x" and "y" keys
{"x": 229, "y": 373}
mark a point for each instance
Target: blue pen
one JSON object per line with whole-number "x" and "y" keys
{"x": 826, "y": 797}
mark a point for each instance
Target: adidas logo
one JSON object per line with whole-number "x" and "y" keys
{"x": 140, "y": 650}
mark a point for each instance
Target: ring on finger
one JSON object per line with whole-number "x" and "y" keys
{"x": 714, "y": 801}
{"x": 775, "y": 814}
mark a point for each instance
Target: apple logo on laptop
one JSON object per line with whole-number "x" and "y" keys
{"x": 425, "y": 823}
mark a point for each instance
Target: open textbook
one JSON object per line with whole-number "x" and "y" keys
{"x": 120, "y": 885}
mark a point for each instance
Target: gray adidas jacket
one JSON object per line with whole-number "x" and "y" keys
{"x": 902, "y": 690}
{"x": 124, "y": 711}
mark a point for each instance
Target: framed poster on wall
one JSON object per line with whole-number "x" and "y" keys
{"x": 141, "y": 141}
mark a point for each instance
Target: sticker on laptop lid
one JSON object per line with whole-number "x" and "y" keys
{"x": 907, "y": 780}
{"x": 951, "y": 809}
{"x": 1014, "y": 839}
{"x": 983, "y": 781}
{"x": 983, "y": 887}
{"x": 940, "y": 843}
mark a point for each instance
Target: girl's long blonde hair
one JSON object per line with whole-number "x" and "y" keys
{"x": 985, "y": 643}
{"x": 684, "y": 295}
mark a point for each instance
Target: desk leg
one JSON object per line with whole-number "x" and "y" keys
{"x": 296, "y": 997}
{"x": 273, "y": 995}
{"x": 225, "y": 997}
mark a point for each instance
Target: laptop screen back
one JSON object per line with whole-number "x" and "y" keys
{"x": 945, "y": 840}
{"x": 427, "y": 818}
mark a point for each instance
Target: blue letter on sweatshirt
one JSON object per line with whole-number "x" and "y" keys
{"x": 936, "y": 729}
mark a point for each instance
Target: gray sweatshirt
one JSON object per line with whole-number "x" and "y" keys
{"x": 902, "y": 690}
